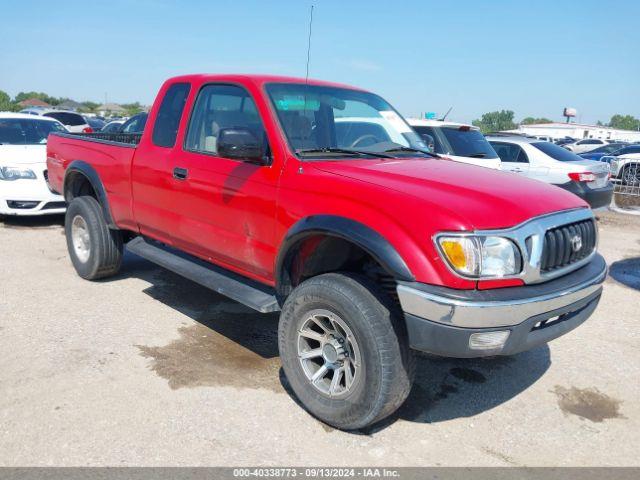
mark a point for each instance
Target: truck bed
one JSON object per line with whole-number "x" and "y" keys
{"x": 109, "y": 154}
{"x": 125, "y": 139}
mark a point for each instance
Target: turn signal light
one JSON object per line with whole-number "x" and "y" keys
{"x": 87, "y": 130}
{"x": 582, "y": 176}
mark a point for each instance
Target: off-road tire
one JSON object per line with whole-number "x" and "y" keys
{"x": 105, "y": 252}
{"x": 376, "y": 321}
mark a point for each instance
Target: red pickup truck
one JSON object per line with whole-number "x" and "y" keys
{"x": 319, "y": 201}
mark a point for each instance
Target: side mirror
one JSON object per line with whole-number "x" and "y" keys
{"x": 428, "y": 139}
{"x": 240, "y": 144}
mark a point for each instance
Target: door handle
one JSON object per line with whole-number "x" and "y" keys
{"x": 180, "y": 173}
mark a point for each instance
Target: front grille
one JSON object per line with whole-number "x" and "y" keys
{"x": 54, "y": 205}
{"x": 561, "y": 244}
{"x": 22, "y": 204}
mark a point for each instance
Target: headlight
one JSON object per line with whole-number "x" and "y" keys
{"x": 480, "y": 256}
{"x": 15, "y": 173}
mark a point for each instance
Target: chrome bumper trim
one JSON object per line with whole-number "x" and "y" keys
{"x": 487, "y": 314}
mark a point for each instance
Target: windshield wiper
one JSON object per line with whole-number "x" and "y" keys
{"x": 342, "y": 150}
{"x": 477, "y": 155}
{"x": 402, "y": 148}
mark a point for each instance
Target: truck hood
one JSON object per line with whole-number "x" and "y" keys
{"x": 23, "y": 154}
{"x": 485, "y": 198}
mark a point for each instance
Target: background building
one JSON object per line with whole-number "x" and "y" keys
{"x": 577, "y": 130}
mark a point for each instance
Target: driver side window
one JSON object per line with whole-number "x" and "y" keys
{"x": 218, "y": 107}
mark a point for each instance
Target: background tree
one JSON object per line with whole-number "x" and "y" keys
{"x": 532, "y": 120}
{"x": 89, "y": 106}
{"x": 6, "y": 105}
{"x": 495, "y": 121}
{"x": 132, "y": 108}
{"x": 39, "y": 95}
{"x": 624, "y": 122}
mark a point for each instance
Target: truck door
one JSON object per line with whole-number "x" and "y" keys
{"x": 224, "y": 209}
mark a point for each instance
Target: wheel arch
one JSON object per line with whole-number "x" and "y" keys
{"x": 80, "y": 176}
{"x": 340, "y": 229}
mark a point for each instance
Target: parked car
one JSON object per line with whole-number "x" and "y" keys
{"x": 74, "y": 122}
{"x": 625, "y": 165}
{"x": 34, "y": 110}
{"x": 95, "y": 123}
{"x": 23, "y": 169}
{"x": 565, "y": 141}
{"x": 457, "y": 141}
{"x": 553, "y": 164}
{"x": 112, "y": 127}
{"x": 585, "y": 145}
{"x": 134, "y": 124}
{"x": 600, "y": 152}
{"x": 367, "y": 252}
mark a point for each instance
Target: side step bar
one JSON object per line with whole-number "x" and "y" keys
{"x": 246, "y": 291}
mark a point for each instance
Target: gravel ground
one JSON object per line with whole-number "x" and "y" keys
{"x": 149, "y": 369}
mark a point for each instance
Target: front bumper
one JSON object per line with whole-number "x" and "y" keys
{"x": 595, "y": 197}
{"x": 443, "y": 321}
{"x": 28, "y": 197}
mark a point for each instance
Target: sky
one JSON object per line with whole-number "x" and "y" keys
{"x": 534, "y": 58}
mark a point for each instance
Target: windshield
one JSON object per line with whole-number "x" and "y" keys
{"x": 26, "y": 131}
{"x": 459, "y": 141}
{"x": 319, "y": 119}
{"x": 556, "y": 152}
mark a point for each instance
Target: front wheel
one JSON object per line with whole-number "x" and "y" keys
{"x": 344, "y": 350}
{"x": 95, "y": 249}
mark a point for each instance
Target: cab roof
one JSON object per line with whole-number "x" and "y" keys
{"x": 257, "y": 79}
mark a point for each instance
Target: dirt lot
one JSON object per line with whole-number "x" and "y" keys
{"x": 150, "y": 369}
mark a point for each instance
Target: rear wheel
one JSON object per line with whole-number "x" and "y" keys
{"x": 344, "y": 350}
{"x": 94, "y": 248}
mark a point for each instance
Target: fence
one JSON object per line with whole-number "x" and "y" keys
{"x": 625, "y": 175}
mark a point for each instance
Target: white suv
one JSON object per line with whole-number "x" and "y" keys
{"x": 457, "y": 141}
{"x": 551, "y": 163}
{"x": 23, "y": 165}
{"x": 74, "y": 122}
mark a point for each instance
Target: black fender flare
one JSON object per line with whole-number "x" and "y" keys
{"x": 347, "y": 229}
{"x": 86, "y": 170}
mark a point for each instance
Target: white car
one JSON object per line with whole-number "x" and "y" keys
{"x": 23, "y": 165}
{"x": 74, "y": 122}
{"x": 550, "y": 163}
{"x": 586, "y": 145}
{"x": 457, "y": 141}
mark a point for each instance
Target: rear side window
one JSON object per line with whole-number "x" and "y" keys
{"x": 135, "y": 124}
{"x": 556, "y": 152}
{"x": 165, "y": 129}
{"x": 510, "y": 152}
{"x": 67, "y": 118}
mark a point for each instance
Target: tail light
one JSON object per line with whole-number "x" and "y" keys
{"x": 582, "y": 176}
{"x": 87, "y": 130}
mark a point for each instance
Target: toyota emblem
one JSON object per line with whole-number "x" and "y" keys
{"x": 576, "y": 243}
